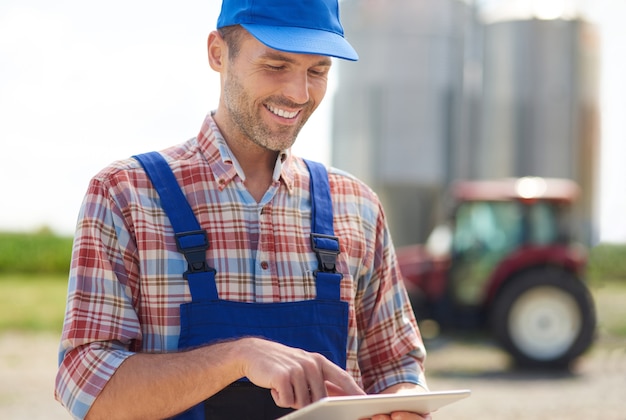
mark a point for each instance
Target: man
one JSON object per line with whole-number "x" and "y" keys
{"x": 233, "y": 298}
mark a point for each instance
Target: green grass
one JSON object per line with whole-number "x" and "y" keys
{"x": 607, "y": 263}
{"x": 34, "y": 267}
{"x": 31, "y": 302}
{"x": 37, "y": 303}
{"x": 611, "y": 311}
{"x": 39, "y": 252}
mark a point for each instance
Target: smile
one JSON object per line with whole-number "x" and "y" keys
{"x": 282, "y": 112}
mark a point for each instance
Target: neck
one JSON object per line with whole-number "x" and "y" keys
{"x": 256, "y": 162}
{"x": 258, "y": 169}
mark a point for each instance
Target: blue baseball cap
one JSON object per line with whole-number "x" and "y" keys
{"x": 296, "y": 26}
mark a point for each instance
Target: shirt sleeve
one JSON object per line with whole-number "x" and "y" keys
{"x": 391, "y": 350}
{"x": 101, "y": 328}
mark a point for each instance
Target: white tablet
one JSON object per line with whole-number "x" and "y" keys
{"x": 360, "y": 406}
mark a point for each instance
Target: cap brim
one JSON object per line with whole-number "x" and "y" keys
{"x": 303, "y": 41}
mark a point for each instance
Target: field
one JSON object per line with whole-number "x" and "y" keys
{"x": 28, "y": 365}
{"x": 34, "y": 269}
{"x": 32, "y": 302}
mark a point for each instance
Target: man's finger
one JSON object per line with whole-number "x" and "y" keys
{"x": 340, "y": 381}
{"x": 317, "y": 389}
{"x": 283, "y": 395}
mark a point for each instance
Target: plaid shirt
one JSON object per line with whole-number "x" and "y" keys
{"x": 126, "y": 283}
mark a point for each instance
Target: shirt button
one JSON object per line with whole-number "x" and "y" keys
{"x": 222, "y": 181}
{"x": 264, "y": 265}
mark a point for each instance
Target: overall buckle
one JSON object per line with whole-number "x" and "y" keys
{"x": 193, "y": 245}
{"x": 326, "y": 249}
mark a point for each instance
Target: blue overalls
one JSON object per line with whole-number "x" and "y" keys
{"x": 319, "y": 325}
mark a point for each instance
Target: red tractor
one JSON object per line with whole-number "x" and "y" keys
{"x": 506, "y": 262}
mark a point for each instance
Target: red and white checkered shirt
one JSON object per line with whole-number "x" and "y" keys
{"x": 126, "y": 281}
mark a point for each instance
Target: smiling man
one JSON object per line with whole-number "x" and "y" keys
{"x": 225, "y": 278}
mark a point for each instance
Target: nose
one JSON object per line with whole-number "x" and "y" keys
{"x": 297, "y": 87}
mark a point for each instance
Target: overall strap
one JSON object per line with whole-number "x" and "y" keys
{"x": 191, "y": 239}
{"x": 323, "y": 239}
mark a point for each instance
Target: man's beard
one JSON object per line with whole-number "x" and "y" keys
{"x": 253, "y": 126}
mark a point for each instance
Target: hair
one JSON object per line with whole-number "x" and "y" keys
{"x": 233, "y": 36}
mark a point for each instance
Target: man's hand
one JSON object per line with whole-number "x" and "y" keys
{"x": 402, "y": 415}
{"x": 169, "y": 383}
{"x": 296, "y": 377}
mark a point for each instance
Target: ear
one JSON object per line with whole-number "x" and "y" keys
{"x": 217, "y": 51}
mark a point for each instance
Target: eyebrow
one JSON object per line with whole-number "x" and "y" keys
{"x": 275, "y": 55}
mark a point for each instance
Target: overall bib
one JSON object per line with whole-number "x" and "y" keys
{"x": 319, "y": 325}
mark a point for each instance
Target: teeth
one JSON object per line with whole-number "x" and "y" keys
{"x": 282, "y": 112}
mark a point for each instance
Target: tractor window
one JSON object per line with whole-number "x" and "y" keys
{"x": 493, "y": 226}
{"x": 543, "y": 229}
{"x": 485, "y": 233}
{"x": 549, "y": 223}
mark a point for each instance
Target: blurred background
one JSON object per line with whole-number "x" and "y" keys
{"x": 445, "y": 90}
{"x": 453, "y": 90}
{"x": 480, "y": 89}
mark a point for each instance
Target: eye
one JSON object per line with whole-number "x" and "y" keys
{"x": 322, "y": 71}
{"x": 275, "y": 67}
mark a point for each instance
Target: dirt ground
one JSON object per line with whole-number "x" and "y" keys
{"x": 594, "y": 389}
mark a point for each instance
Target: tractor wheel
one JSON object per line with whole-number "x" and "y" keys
{"x": 544, "y": 318}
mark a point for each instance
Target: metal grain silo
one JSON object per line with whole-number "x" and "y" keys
{"x": 540, "y": 113}
{"x": 395, "y": 111}
{"x": 440, "y": 94}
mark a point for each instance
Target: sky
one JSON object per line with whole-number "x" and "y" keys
{"x": 86, "y": 83}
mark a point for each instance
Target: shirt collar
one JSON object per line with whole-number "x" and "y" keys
{"x": 224, "y": 163}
